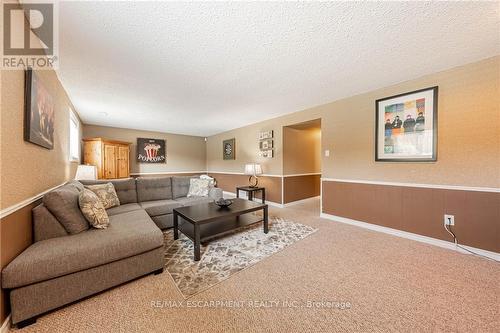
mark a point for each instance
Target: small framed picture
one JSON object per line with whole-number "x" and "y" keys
{"x": 406, "y": 127}
{"x": 229, "y": 149}
{"x": 267, "y": 153}
{"x": 266, "y": 144}
{"x": 266, "y": 135}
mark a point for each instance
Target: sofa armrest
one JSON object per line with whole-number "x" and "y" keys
{"x": 215, "y": 193}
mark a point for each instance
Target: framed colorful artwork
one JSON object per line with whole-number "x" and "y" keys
{"x": 151, "y": 150}
{"x": 406, "y": 127}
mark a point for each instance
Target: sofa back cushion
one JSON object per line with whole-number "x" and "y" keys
{"x": 154, "y": 188}
{"x": 180, "y": 186}
{"x": 125, "y": 188}
{"x": 45, "y": 225}
{"x": 77, "y": 184}
{"x": 63, "y": 204}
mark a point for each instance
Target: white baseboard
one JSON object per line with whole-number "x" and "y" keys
{"x": 6, "y": 325}
{"x": 412, "y": 236}
{"x": 244, "y": 196}
{"x": 293, "y": 203}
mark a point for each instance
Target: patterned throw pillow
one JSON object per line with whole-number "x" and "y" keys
{"x": 106, "y": 193}
{"x": 93, "y": 210}
{"x": 211, "y": 181}
{"x": 198, "y": 187}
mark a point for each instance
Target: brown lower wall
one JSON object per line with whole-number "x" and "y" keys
{"x": 229, "y": 182}
{"x": 301, "y": 187}
{"x": 419, "y": 210}
{"x": 16, "y": 236}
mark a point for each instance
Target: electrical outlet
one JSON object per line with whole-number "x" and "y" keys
{"x": 449, "y": 219}
{"x": 327, "y": 153}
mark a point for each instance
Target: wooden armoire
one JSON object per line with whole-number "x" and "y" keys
{"x": 111, "y": 157}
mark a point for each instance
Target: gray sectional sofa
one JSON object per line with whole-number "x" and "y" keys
{"x": 63, "y": 266}
{"x": 158, "y": 196}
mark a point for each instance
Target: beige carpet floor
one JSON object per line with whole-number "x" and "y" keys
{"x": 392, "y": 285}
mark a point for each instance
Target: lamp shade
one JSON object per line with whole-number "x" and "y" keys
{"x": 86, "y": 172}
{"x": 253, "y": 169}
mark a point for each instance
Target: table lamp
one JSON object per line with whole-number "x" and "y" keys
{"x": 86, "y": 172}
{"x": 253, "y": 169}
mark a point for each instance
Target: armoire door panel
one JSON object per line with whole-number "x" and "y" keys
{"x": 110, "y": 165}
{"x": 123, "y": 161}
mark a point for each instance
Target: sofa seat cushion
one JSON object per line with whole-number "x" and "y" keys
{"x": 123, "y": 209}
{"x": 160, "y": 207}
{"x": 193, "y": 200}
{"x": 129, "y": 234}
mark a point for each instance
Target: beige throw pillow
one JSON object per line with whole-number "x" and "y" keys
{"x": 93, "y": 210}
{"x": 198, "y": 187}
{"x": 106, "y": 193}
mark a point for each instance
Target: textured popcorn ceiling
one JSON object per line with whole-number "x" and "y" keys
{"x": 203, "y": 68}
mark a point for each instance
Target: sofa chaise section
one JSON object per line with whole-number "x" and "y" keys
{"x": 60, "y": 268}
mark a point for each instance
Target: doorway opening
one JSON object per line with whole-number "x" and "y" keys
{"x": 302, "y": 164}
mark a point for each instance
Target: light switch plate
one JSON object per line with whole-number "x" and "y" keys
{"x": 327, "y": 153}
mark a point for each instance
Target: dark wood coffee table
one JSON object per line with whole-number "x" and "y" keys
{"x": 205, "y": 221}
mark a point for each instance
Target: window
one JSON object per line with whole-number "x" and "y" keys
{"x": 74, "y": 137}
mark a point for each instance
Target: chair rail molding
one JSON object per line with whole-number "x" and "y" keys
{"x": 11, "y": 209}
{"x": 436, "y": 186}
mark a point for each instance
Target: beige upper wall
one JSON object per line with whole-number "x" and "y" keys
{"x": 468, "y": 137}
{"x": 27, "y": 169}
{"x": 468, "y": 133}
{"x": 301, "y": 150}
{"x": 184, "y": 152}
{"x": 247, "y": 149}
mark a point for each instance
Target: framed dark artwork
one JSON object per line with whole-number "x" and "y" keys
{"x": 406, "y": 127}
{"x": 151, "y": 150}
{"x": 39, "y": 112}
{"x": 229, "y": 149}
